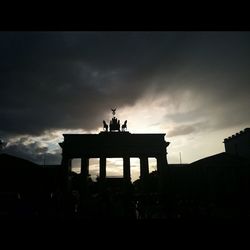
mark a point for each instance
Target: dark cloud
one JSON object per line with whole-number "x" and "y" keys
{"x": 33, "y": 151}
{"x": 57, "y": 80}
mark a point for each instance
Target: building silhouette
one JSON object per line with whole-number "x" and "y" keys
{"x": 215, "y": 187}
{"x": 239, "y": 144}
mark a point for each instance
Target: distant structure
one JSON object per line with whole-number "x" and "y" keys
{"x": 114, "y": 144}
{"x": 239, "y": 144}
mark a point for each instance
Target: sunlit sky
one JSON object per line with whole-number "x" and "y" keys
{"x": 192, "y": 86}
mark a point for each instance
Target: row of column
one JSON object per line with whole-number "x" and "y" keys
{"x": 144, "y": 166}
{"x": 85, "y": 167}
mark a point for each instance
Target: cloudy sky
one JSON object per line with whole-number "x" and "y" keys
{"x": 193, "y": 86}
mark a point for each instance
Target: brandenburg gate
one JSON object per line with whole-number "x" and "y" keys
{"x": 114, "y": 143}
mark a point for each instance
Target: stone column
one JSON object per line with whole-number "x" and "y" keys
{"x": 102, "y": 168}
{"x": 162, "y": 170}
{"x": 126, "y": 168}
{"x": 144, "y": 169}
{"x": 161, "y": 163}
{"x": 66, "y": 183}
{"x": 66, "y": 167}
{"x": 83, "y": 185}
{"x": 84, "y": 166}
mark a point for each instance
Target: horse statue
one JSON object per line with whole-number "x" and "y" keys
{"x": 124, "y": 126}
{"x": 105, "y": 126}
